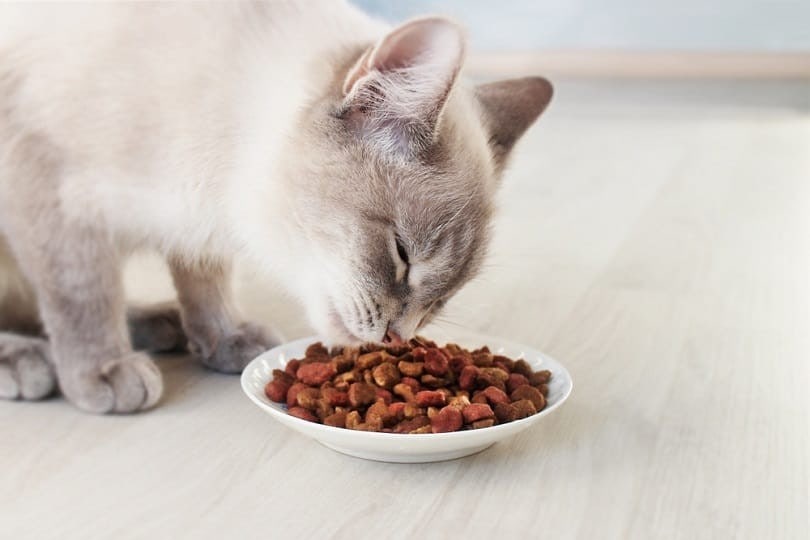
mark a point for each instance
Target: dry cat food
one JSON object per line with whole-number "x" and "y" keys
{"x": 413, "y": 388}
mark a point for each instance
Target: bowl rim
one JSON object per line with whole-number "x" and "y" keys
{"x": 284, "y": 416}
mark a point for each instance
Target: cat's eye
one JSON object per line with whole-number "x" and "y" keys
{"x": 402, "y": 252}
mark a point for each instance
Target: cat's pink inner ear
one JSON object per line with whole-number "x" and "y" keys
{"x": 430, "y": 48}
{"x": 359, "y": 70}
{"x": 430, "y": 40}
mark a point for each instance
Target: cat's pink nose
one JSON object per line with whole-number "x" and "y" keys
{"x": 392, "y": 337}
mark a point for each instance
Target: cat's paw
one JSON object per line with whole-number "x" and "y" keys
{"x": 124, "y": 385}
{"x": 25, "y": 368}
{"x": 233, "y": 352}
{"x": 156, "y": 329}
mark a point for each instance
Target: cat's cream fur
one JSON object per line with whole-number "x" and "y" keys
{"x": 320, "y": 144}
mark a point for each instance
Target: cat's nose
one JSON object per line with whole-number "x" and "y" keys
{"x": 392, "y": 337}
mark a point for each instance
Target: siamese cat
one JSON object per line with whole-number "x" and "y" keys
{"x": 323, "y": 146}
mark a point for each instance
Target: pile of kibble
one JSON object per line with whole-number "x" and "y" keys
{"x": 413, "y": 388}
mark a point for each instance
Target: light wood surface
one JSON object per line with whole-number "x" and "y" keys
{"x": 653, "y": 237}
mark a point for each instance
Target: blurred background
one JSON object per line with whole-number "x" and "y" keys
{"x": 630, "y": 37}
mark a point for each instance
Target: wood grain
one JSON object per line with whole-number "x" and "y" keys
{"x": 653, "y": 237}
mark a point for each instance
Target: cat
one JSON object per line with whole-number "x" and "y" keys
{"x": 325, "y": 147}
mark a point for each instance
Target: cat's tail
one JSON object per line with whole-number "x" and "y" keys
{"x": 18, "y": 308}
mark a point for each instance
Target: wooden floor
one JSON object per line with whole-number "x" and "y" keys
{"x": 653, "y": 237}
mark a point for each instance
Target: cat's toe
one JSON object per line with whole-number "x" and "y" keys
{"x": 128, "y": 384}
{"x": 25, "y": 369}
{"x": 235, "y": 351}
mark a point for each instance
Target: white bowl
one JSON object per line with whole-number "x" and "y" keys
{"x": 404, "y": 448}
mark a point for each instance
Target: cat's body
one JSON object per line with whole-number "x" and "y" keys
{"x": 208, "y": 131}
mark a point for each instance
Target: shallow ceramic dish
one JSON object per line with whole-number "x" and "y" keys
{"x": 401, "y": 448}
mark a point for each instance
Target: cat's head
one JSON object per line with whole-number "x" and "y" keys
{"x": 393, "y": 199}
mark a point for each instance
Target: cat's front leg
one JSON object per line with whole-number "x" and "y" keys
{"x": 76, "y": 274}
{"x": 216, "y": 335}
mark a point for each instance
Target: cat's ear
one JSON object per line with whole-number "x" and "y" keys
{"x": 396, "y": 90}
{"x": 509, "y": 108}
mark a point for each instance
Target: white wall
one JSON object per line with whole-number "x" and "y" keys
{"x": 669, "y": 25}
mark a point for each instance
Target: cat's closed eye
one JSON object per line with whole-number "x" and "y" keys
{"x": 402, "y": 252}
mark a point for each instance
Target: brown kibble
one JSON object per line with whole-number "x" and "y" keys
{"x": 383, "y": 394}
{"x": 476, "y": 411}
{"x": 541, "y": 377}
{"x": 323, "y": 409}
{"x": 378, "y": 414}
{"x": 386, "y": 375}
{"x": 431, "y": 381}
{"x": 302, "y": 413}
{"x": 482, "y": 359}
{"x": 316, "y": 373}
{"x": 397, "y": 350}
{"x": 283, "y": 376}
{"x": 505, "y": 412}
{"x": 342, "y": 364}
{"x": 459, "y": 402}
{"x": 292, "y": 394}
{"x": 487, "y": 422}
{"x": 532, "y": 394}
{"x": 412, "y": 411}
{"x": 369, "y": 360}
{"x": 337, "y": 419}
{"x": 457, "y": 363}
{"x": 397, "y": 410}
{"x": 522, "y": 366}
{"x": 335, "y": 397}
{"x": 515, "y": 380}
{"x": 316, "y": 350}
{"x": 404, "y": 391}
{"x": 495, "y": 373}
{"x": 495, "y": 395}
{"x": 413, "y": 383}
{"x": 436, "y": 363}
{"x": 492, "y": 376}
{"x": 347, "y": 377}
{"x": 292, "y": 367}
{"x": 416, "y": 387}
{"x": 308, "y": 398}
{"x": 418, "y": 354}
{"x": 412, "y": 424}
{"x": 446, "y": 420}
{"x": 411, "y": 369}
{"x": 468, "y": 377}
{"x": 361, "y": 394}
{"x": 504, "y": 361}
{"x": 353, "y": 419}
{"x": 351, "y": 353}
{"x": 277, "y": 391}
{"x": 524, "y": 408}
{"x": 430, "y": 398}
